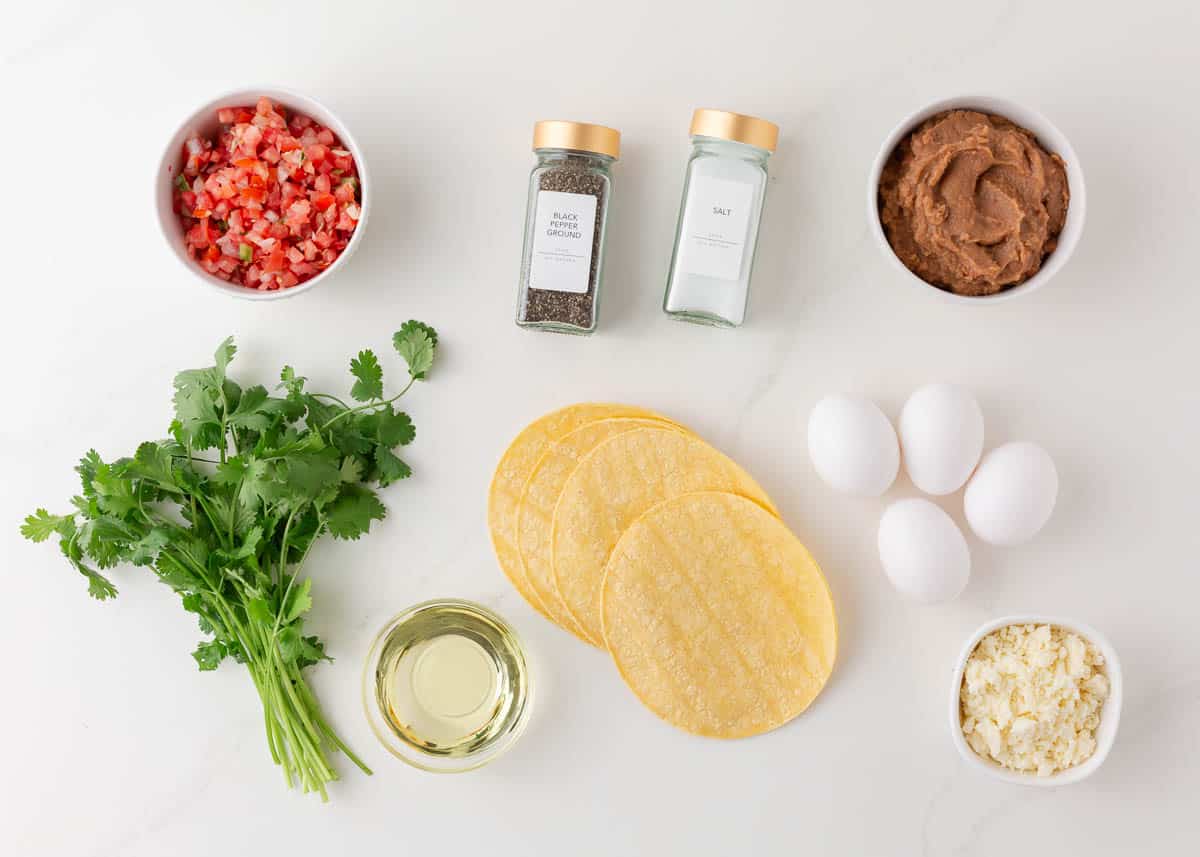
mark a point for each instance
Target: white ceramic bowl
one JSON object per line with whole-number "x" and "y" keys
{"x": 1049, "y": 136}
{"x": 1110, "y": 712}
{"x": 203, "y": 121}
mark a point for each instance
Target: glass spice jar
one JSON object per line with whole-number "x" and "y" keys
{"x": 565, "y": 217}
{"x": 723, "y": 191}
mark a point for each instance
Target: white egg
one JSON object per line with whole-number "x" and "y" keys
{"x": 853, "y": 445}
{"x": 941, "y": 434}
{"x": 923, "y": 551}
{"x": 1011, "y": 495}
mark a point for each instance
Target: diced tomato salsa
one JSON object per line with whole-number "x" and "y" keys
{"x": 270, "y": 203}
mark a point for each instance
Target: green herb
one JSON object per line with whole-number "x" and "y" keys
{"x": 182, "y": 183}
{"x": 245, "y": 252}
{"x": 230, "y": 533}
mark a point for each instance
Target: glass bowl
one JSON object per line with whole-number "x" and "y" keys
{"x": 446, "y": 686}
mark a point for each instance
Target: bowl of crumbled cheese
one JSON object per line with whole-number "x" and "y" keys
{"x": 1036, "y": 700}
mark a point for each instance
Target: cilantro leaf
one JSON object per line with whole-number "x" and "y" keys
{"x": 391, "y": 469}
{"x": 251, "y": 400}
{"x": 366, "y": 369}
{"x": 232, "y": 515}
{"x": 244, "y": 551}
{"x": 209, "y": 655}
{"x": 145, "y": 550}
{"x": 199, "y": 424}
{"x": 99, "y": 586}
{"x": 231, "y": 471}
{"x": 256, "y": 410}
{"x": 350, "y": 439}
{"x": 319, "y": 414}
{"x": 153, "y": 463}
{"x": 352, "y": 470}
{"x": 290, "y": 381}
{"x": 307, "y": 476}
{"x": 299, "y": 602}
{"x": 312, "y": 651}
{"x": 254, "y": 477}
{"x": 414, "y": 342}
{"x": 223, "y": 355}
{"x": 260, "y": 611}
{"x": 114, "y": 494}
{"x": 41, "y": 525}
{"x": 259, "y": 485}
{"x": 351, "y": 514}
{"x": 175, "y": 569}
{"x": 290, "y": 644}
{"x": 413, "y": 324}
{"x": 299, "y": 650}
{"x": 345, "y": 432}
{"x": 194, "y": 603}
{"x": 100, "y": 540}
{"x": 294, "y": 385}
{"x": 394, "y": 429}
{"x": 87, "y": 467}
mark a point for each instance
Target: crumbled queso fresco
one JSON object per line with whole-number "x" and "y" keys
{"x": 1031, "y": 698}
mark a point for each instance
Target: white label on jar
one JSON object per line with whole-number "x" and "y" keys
{"x": 715, "y": 223}
{"x": 563, "y": 227}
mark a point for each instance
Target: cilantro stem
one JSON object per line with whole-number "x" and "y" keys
{"x": 325, "y": 727}
{"x": 283, "y": 549}
{"x": 233, "y": 504}
{"x": 327, "y": 396}
{"x": 280, "y": 707}
{"x": 190, "y": 457}
{"x": 299, "y": 565}
{"x": 214, "y": 521}
{"x": 300, "y": 708}
{"x": 368, "y": 405}
{"x": 286, "y": 712}
{"x": 269, "y": 726}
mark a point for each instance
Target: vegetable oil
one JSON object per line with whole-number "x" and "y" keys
{"x": 446, "y": 686}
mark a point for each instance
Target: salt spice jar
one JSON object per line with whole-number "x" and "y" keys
{"x": 565, "y": 217}
{"x": 723, "y": 192}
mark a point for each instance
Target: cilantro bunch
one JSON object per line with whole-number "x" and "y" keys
{"x": 226, "y": 510}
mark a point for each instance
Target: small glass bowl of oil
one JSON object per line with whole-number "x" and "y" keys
{"x": 446, "y": 687}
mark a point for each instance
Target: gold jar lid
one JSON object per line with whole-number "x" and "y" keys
{"x": 736, "y": 127}
{"x": 580, "y": 136}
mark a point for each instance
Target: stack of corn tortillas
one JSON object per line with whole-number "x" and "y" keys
{"x": 634, "y": 535}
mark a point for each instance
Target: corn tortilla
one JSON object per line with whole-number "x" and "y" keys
{"x": 610, "y": 488}
{"x": 535, "y": 512}
{"x": 717, "y": 617}
{"x": 514, "y": 468}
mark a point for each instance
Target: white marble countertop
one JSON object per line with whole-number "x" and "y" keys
{"x": 116, "y": 745}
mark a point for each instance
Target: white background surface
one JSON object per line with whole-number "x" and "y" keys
{"x": 115, "y": 745}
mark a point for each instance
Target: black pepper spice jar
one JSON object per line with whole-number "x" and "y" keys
{"x": 565, "y": 218}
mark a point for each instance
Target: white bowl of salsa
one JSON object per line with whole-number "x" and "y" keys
{"x": 262, "y": 202}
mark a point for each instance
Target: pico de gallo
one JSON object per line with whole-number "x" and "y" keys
{"x": 271, "y": 202}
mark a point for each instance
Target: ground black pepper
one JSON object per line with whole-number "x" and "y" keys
{"x": 569, "y": 190}
{"x": 573, "y": 174}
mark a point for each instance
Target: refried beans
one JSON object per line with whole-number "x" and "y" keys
{"x": 972, "y": 203}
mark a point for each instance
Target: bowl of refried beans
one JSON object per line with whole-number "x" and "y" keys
{"x": 976, "y": 199}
